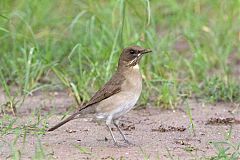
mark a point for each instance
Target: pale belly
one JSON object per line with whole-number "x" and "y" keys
{"x": 118, "y": 105}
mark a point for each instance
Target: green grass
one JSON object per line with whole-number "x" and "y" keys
{"x": 76, "y": 45}
{"x": 226, "y": 150}
{"x": 10, "y": 125}
{"x": 35, "y": 127}
{"x": 217, "y": 89}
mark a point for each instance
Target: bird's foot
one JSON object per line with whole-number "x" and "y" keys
{"x": 117, "y": 144}
{"x": 128, "y": 142}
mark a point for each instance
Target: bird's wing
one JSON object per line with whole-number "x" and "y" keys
{"x": 112, "y": 87}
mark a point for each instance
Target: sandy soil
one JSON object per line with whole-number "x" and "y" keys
{"x": 155, "y": 133}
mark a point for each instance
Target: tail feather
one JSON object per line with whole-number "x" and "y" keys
{"x": 63, "y": 122}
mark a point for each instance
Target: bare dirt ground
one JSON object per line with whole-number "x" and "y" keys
{"x": 155, "y": 133}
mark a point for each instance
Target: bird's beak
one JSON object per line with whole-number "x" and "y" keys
{"x": 145, "y": 51}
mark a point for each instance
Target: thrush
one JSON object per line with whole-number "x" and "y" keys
{"x": 118, "y": 95}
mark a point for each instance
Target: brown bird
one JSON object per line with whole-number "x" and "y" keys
{"x": 119, "y": 94}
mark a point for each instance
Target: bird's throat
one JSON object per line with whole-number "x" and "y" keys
{"x": 136, "y": 67}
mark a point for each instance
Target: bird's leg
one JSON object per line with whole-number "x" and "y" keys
{"x": 108, "y": 122}
{"x": 115, "y": 122}
{"x": 114, "y": 140}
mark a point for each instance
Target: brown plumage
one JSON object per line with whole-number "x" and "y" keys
{"x": 113, "y": 86}
{"x": 119, "y": 94}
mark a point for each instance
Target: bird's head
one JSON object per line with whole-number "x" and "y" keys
{"x": 132, "y": 55}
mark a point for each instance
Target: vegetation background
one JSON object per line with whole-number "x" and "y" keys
{"x": 74, "y": 45}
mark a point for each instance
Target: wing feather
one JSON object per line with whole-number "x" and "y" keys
{"x": 112, "y": 87}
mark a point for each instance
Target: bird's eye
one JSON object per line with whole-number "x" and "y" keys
{"x": 132, "y": 51}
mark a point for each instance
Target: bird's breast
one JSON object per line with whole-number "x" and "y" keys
{"x": 133, "y": 80}
{"x": 122, "y": 102}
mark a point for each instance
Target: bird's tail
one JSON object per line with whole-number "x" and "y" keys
{"x": 64, "y": 121}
